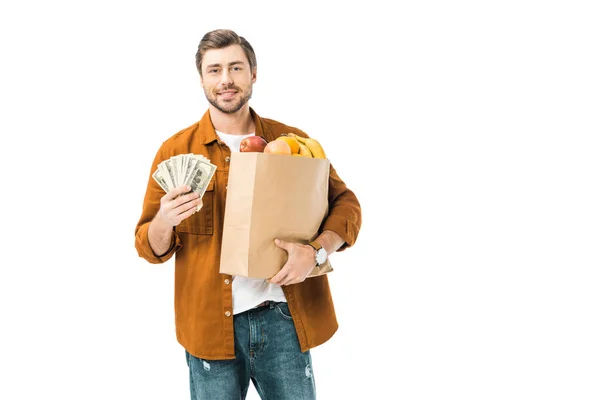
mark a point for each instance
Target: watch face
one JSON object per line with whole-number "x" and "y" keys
{"x": 321, "y": 256}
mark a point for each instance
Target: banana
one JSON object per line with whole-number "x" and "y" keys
{"x": 304, "y": 150}
{"x": 297, "y": 137}
{"x": 313, "y": 145}
{"x": 315, "y": 148}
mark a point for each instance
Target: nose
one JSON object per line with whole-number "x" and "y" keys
{"x": 226, "y": 79}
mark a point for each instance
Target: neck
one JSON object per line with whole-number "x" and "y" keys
{"x": 238, "y": 123}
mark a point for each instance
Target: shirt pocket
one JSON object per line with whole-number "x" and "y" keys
{"x": 201, "y": 222}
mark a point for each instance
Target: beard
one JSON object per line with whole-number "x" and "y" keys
{"x": 229, "y": 107}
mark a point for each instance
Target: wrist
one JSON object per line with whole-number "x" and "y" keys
{"x": 320, "y": 252}
{"x": 160, "y": 224}
{"x": 330, "y": 240}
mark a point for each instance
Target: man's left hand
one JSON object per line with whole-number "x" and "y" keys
{"x": 300, "y": 262}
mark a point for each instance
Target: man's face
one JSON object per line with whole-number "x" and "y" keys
{"x": 227, "y": 79}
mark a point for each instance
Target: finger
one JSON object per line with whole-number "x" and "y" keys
{"x": 173, "y": 193}
{"x": 183, "y": 199}
{"x": 187, "y": 206}
{"x": 279, "y": 277}
{"x": 186, "y": 214}
{"x": 283, "y": 244}
{"x": 289, "y": 281}
{"x": 292, "y": 279}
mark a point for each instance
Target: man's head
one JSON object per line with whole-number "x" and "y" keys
{"x": 227, "y": 66}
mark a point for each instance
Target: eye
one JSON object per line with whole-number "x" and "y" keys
{"x": 237, "y": 68}
{"x": 212, "y": 71}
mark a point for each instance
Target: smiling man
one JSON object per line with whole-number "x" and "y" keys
{"x": 228, "y": 87}
{"x": 236, "y": 329}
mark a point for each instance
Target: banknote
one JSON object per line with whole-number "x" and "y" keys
{"x": 190, "y": 169}
{"x": 160, "y": 180}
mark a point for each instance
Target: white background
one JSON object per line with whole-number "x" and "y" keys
{"x": 468, "y": 130}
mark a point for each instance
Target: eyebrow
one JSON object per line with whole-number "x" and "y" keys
{"x": 230, "y": 64}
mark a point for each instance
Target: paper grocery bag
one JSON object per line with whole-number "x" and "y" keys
{"x": 271, "y": 196}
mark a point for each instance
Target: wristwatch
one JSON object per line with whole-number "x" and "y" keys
{"x": 320, "y": 253}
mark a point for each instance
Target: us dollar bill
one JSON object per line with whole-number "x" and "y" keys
{"x": 160, "y": 180}
{"x": 190, "y": 169}
{"x": 172, "y": 172}
{"x": 173, "y": 166}
{"x": 164, "y": 173}
{"x": 201, "y": 176}
{"x": 191, "y": 163}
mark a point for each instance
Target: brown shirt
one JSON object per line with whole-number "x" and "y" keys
{"x": 203, "y": 297}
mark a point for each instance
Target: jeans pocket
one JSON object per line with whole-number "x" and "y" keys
{"x": 283, "y": 310}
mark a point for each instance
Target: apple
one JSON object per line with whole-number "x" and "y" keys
{"x": 253, "y": 144}
{"x": 278, "y": 147}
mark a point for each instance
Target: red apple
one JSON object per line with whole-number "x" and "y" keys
{"x": 253, "y": 144}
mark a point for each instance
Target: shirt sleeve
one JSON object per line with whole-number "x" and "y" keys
{"x": 142, "y": 245}
{"x": 345, "y": 217}
{"x": 150, "y": 207}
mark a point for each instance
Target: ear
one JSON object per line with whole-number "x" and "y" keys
{"x": 254, "y": 75}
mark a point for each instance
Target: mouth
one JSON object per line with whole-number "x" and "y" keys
{"x": 227, "y": 94}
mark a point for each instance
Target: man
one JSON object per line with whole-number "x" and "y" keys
{"x": 237, "y": 329}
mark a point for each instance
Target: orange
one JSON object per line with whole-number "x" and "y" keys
{"x": 292, "y": 142}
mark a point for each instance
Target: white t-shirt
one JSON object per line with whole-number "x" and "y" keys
{"x": 249, "y": 292}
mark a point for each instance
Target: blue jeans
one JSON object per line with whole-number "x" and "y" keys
{"x": 266, "y": 351}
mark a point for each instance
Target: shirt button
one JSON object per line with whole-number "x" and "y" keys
{"x": 227, "y": 313}
{"x": 227, "y": 159}
{"x": 226, "y": 281}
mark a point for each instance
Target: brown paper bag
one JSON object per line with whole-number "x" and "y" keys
{"x": 271, "y": 196}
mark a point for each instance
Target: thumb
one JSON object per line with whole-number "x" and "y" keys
{"x": 282, "y": 244}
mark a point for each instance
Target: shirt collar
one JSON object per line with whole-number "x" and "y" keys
{"x": 206, "y": 134}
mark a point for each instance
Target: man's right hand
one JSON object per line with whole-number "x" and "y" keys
{"x": 177, "y": 205}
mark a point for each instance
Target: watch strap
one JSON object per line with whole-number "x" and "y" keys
{"x": 315, "y": 245}
{"x": 318, "y": 252}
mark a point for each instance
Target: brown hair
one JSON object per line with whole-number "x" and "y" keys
{"x": 219, "y": 39}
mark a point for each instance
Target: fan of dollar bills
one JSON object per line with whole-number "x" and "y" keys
{"x": 190, "y": 169}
